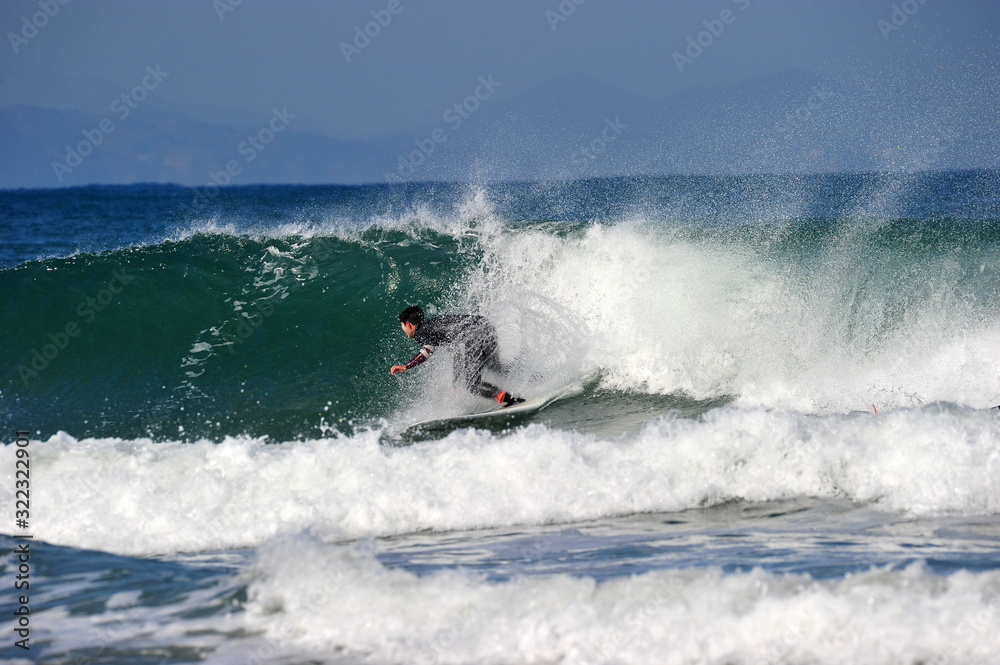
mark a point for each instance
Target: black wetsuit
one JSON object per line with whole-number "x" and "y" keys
{"x": 473, "y": 343}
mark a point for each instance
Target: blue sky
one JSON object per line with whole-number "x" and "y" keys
{"x": 263, "y": 54}
{"x": 227, "y": 62}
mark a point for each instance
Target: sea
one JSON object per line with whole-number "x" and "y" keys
{"x": 777, "y": 441}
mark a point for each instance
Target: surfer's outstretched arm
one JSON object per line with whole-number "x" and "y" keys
{"x": 423, "y": 355}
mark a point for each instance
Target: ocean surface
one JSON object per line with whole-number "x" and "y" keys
{"x": 780, "y": 444}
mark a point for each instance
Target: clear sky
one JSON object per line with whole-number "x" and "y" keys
{"x": 224, "y": 59}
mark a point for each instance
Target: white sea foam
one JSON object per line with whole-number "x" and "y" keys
{"x": 310, "y": 601}
{"x": 142, "y": 497}
{"x": 313, "y": 598}
{"x": 663, "y": 314}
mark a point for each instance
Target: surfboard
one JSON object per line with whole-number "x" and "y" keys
{"x": 488, "y": 416}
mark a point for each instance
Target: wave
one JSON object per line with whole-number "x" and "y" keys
{"x": 287, "y": 330}
{"x": 210, "y": 334}
{"x": 303, "y": 599}
{"x": 314, "y": 598}
{"x": 170, "y": 497}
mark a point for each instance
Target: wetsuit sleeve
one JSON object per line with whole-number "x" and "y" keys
{"x": 424, "y": 354}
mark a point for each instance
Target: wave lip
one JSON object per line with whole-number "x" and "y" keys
{"x": 140, "y": 497}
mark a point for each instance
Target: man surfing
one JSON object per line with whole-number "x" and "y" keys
{"x": 473, "y": 342}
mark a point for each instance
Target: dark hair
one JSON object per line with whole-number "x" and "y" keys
{"x": 412, "y": 314}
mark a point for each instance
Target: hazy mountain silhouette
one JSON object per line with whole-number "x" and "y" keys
{"x": 575, "y": 126}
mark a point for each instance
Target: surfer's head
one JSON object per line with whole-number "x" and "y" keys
{"x": 410, "y": 318}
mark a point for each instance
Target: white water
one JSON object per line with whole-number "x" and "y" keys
{"x": 310, "y": 597}
{"x": 318, "y": 602}
{"x": 661, "y": 315}
{"x": 140, "y": 497}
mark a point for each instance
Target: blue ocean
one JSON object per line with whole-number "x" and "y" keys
{"x": 778, "y": 441}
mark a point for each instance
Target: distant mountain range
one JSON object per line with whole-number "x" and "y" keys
{"x": 572, "y": 127}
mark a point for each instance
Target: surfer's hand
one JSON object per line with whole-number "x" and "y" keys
{"x": 397, "y": 369}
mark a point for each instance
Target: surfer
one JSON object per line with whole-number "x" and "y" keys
{"x": 473, "y": 342}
